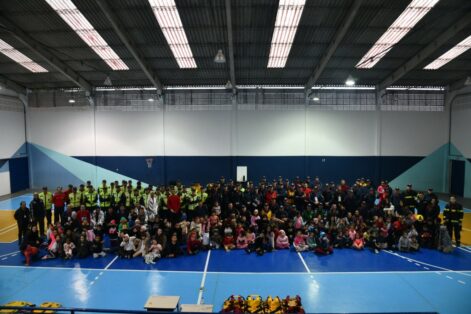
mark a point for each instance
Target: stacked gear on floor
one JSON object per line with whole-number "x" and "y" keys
{"x": 18, "y": 304}
{"x": 49, "y": 305}
{"x": 255, "y": 304}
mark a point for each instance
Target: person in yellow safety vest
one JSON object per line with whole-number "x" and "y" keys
{"x": 91, "y": 198}
{"x": 81, "y": 194}
{"x": 163, "y": 209}
{"x": 203, "y": 194}
{"x": 105, "y": 198}
{"x": 116, "y": 196}
{"x": 102, "y": 186}
{"x": 127, "y": 195}
{"x": 193, "y": 200}
{"x": 46, "y": 197}
{"x": 74, "y": 199}
{"x": 136, "y": 199}
{"x": 112, "y": 188}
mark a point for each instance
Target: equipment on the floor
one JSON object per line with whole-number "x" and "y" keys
{"x": 16, "y": 303}
{"x": 255, "y": 304}
{"x": 51, "y": 305}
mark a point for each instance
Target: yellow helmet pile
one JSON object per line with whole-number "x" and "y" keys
{"x": 255, "y": 304}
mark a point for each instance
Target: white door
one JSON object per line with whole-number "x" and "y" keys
{"x": 241, "y": 173}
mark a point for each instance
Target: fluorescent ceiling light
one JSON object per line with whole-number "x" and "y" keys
{"x": 20, "y": 58}
{"x": 71, "y": 101}
{"x": 451, "y": 54}
{"x": 414, "y": 12}
{"x": 344, "y": 87}
{"x": 79, "y": 23}
{"x": 150, "y": 99}
{"x": 169, "y": 20}
{"x": 287, "y": 20}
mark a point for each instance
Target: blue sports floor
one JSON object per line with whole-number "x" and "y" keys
{"x": 347, "y": 281}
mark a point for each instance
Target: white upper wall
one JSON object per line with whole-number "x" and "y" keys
{"x": 413, "y": 133}
{"x": 71, "y": 131}
{"x": 12, "y": 126}
{"x": 461, "y": 125}
{"x": 120, "y": 133}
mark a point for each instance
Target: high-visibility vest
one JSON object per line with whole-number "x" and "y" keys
{"x": 81, "y": 196}
{"x": 90, "y": 198}
{"x": 193, "y": 202}
{"x": 74, "y": 200}
{"x": 128, "y": 197}
{"x": 105, "y": 199}
{"x": 102, "y": 187}
{"x": 47, "y": 199}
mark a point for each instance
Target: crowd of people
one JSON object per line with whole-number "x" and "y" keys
{"x": 168, "y": 221}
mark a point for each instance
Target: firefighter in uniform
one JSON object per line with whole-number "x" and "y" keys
{"x": 453, "y": 216}
{"x": 409, "y": 199}
{"x": 46, "y": 197}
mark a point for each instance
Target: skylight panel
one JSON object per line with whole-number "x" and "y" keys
{"x": 20, "y": 58}
{"x": 287, "y": 20}
{"x": 79, "y": 23}
{"x": 451, "y": 54}
{"x": 414, "y": 12}
{"x": 167, "y": 16}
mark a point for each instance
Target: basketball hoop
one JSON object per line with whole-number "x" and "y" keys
{"x": 149, "y": 162}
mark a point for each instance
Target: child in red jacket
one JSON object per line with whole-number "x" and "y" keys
{"x": 193, "y": 244}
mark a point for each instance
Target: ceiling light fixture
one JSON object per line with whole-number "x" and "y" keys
{"x": 150, "y": 99}
{"x": 20, "y": 58}
{"x": 287, "y": 20}
{"x": 350, "y": 81}
{"x": 167, "y": 16}
{"x": 220, "y": 58}
{"x": 414, "y": 12}
{"x": 71, "y": 101}
{"x": 451, "y": 54}
{"x": 79, "y": 23}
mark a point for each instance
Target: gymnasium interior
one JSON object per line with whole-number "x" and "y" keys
{"x": 235, "y": 156}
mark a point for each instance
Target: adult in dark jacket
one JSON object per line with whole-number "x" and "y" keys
{"x": 23, "y": 218}
{"x": 453, "y": 215}
{"x": 38, "y": 212}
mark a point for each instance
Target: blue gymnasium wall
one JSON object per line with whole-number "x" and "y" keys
{"x": 203, "y": 146}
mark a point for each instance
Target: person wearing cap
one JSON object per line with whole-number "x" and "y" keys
{"x": 46, "y": 197}
{"x": 59, "y": 204}
{"x": 91, "y": 198}
{"x": 105, "y": 197}
{"x": 74, "y": 199}
{"x": 453, "y": 219}
{"x": 409, "y": 199}
{"x": 38, "y": 212}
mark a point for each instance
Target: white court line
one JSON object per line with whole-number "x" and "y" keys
{"x": 109, "y": 264}
{"x": 304, "y": 263}
{"x": 462, "y": 282}
{"x": 8, "y": 230}
{"x": 200, "y": 294}
{"x": 423, "y": 263}
{"x": 16, "y": 252}
{"x": 464, "y": 249}
{"x": 237, "y": 273}
{"x": 7, "y": 227}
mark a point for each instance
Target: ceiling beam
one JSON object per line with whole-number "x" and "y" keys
{"x": 339, "y": 34}
{"x": 130, "y": 45}
{"x": 13, "y": 85}
{"x": 231, "y": 45}
{"x": 425, "y": 52}
{"x": 457, "y": 85}
{"x": 45, "y": 54}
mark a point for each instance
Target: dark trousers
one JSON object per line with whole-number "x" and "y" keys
{"x": 40, "y": 221}
{"x": 456, "y": 228}
{"x": 58, "y": 213}
{"x": 21, "y": 232}
{"x": 49, "y": 217}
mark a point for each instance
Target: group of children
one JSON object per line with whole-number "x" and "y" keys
{"x": 303, "y": 215}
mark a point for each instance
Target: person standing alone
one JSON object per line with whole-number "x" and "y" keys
{"x": 453, "y": 216}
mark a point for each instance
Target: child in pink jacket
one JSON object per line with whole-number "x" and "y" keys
{"x": 282, "y": 241}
